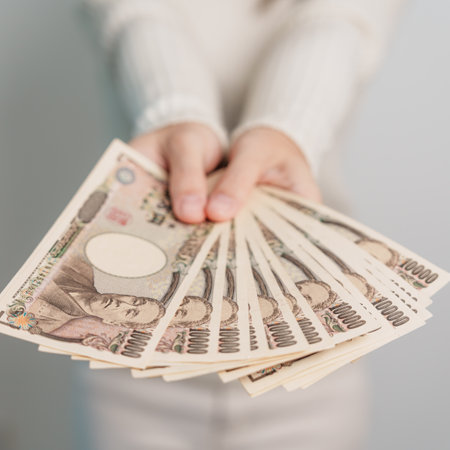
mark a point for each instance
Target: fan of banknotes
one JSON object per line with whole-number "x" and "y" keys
{"x": 285, "y": 294}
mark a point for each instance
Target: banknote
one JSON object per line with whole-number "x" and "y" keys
{"x": 110, "y": 274}
{"x": 100, "y": 365}
{"x": 392, "y": 311}
{"x": 273, "y": 327}
{"x": 363, "y": 260}
{"x": 283, "y": 295}
{"x": 275, "y": 374}
{"x": 294, "y": 372}
{"x": 225, "y": 334}
{"x": 341, "y": 313}
{"x": 233, "y": 339}
{"x": 180, "y": 372}
{"x": 350, "y": 270}
{"x": 401, "y": 320}
{"x": 419, "y": 273}
{"x": 159, "y": 371}
{"x": 281, "y": 330}
{"x": 277, "y": 295}
{"x": 314, "y": 368}
{"x": 177, "y": 373}
{"x": 329, "y": 365}
{"x": 348, "y": 353}
{"x": 200, "y": 371}
{"x": 192, "y": 335}
{"x": 231, "y": 288}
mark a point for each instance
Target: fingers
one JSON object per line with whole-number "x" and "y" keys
{"x": 308, "y": 188}
{"x": 233, "y": 188}
{"x": 188, "y": 151}
{"x": 295, "y": 177}
{"x": 187, "y": 184}
{"x": 190, "y": 154}
{"x": 260, "y": 157}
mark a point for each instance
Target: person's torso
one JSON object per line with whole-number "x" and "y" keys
{"x": 233, "y": 35}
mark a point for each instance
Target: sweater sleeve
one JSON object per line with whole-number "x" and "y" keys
{"x": 162, "y": 76}
{"x": 311, "y": 74}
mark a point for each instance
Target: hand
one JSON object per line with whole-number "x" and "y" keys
{"x": 260, "y": 156}
{"x": 188, "y": 151}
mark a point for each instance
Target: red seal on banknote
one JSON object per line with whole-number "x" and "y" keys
{"x": 118, "y": 215}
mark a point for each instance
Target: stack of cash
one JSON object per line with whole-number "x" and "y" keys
{"x": 283, "y": 295}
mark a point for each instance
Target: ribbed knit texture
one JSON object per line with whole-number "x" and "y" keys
{"x": 313, "y": 56}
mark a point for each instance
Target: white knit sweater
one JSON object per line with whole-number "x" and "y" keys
{"x": 291, "y": 65}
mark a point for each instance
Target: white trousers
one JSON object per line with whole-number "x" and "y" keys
{"x": 126, "y": 414}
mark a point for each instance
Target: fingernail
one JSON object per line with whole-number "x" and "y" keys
{"x": 191, "y": 205}
{"x": 222, "y": 205}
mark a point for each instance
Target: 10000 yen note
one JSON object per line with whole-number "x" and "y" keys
{"x": 274, "y": 283}
{"x": 340, "y": 312}
{"x": 419, "y": 273}
{"x": 109, "y": 275}
{"x": 233, "y": 338}
{"x": 280, "y": 330}
{"x": 283, "y": 335}
{"x": 192, "y": 335}
{"x": 323, "y": 365}
{"x": 310, "y": 229}
{"x": 273, "y": 328}
{"x": 348, "y": 268}
{"x": 397, "y": 316}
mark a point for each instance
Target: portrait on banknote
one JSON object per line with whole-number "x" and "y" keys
{"x": 71, "y": 309}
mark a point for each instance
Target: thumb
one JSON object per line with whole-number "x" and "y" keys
{"x": 233, "y": 189}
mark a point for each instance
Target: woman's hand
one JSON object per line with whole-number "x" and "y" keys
{"x": 188, "y": 151}
{"x": 260, "y": 156}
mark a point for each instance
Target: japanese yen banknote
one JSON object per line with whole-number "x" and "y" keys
{"x": 286, "y": 293}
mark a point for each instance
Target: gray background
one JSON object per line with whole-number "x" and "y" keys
{"x": 58, "y": 111}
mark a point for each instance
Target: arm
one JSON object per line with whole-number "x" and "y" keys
{"x": 301, "y": 93}
{"x": 161, "y": 75}
{"x": 169, "y": 91}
